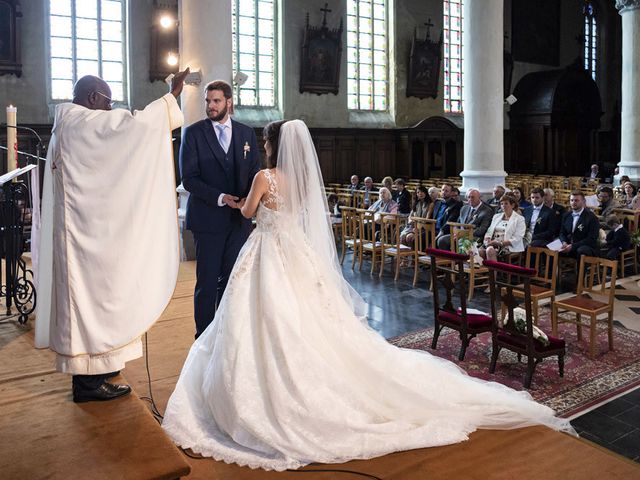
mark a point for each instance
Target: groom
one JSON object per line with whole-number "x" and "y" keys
{"x": 218, "y": 160}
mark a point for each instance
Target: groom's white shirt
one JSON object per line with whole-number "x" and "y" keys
{"x": 227, "y": 124}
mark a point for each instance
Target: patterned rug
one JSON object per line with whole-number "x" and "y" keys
{"x": 585, "y": 383}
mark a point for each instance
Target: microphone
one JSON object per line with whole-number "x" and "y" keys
{"x": 39, "y": 145}
{"x": 20, "y": 127}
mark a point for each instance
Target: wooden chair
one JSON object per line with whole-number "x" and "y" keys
{"x": 391, "y": 225}
{"x": 628, "y": 258}
{"x": 425, "y": 237}
{"x": 368, "y": 241}
{"x": 350, "y": 233}
{"x": 447, "y": 269}
{"x": 591, "y": 270}
{"x": 543, "y": 283}
{"x": 504, "y": 335}
{"x": 478, "y": 274}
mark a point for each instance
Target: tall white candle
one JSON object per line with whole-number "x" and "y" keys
{"x": 12, "y": 138}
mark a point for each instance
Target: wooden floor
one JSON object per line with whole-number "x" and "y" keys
{"x": 530, "y": 453}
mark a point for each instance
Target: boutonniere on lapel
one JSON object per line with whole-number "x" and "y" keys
{"x": 246, "y": 149}
{"x": 538, "y": 221}
{"x": 580, "y": 227}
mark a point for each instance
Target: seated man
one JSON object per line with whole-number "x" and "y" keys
{"x": 580, "y": 229}
{"x": 607, "y": 204}
{"x": 402, "y": 197}
{"x": 476, "y": 213}
{"x": 541, "y": 221}
{"x": 355, "y": 184}
{"x": 367, "y": 188}
{"x": 618, "y": 239}
{"x": 498, "y": 192}
{"x": 446, "y": 209}
{"x": 594, "y": 173}
{"x": 550, "y": 201}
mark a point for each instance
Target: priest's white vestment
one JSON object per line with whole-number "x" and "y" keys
{"x": 109, "y": 246}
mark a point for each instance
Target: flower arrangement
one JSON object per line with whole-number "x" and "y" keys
{"x": 465, "y": 246}
{"x": 635, "y": 238}
{"x": 520, "y": 325}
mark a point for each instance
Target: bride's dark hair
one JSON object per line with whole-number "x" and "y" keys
{"x": 272, "y": 133}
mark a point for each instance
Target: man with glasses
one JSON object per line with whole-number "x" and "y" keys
{"x": 108, "y": 250}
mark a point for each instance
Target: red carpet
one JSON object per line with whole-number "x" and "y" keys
{"x": 585, "y": 383}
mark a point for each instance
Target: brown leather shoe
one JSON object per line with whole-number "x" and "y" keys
{"x": 106, "y": 391}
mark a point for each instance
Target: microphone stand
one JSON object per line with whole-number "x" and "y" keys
{"x": 19, "y": 289}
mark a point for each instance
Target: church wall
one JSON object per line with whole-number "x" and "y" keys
{"x": 29, "y": 92}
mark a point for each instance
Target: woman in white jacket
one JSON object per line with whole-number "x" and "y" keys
{"x": 506, "y": 232}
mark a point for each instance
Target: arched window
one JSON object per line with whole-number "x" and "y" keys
{"x": 254, "y": 52}
{"x": 367, "y": 54}
{"x": 87, "y": 37}
{"x": 452, "y": 56}
{"x": 590, "y": 38}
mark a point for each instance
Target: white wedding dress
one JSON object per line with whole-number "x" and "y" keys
{"x": 287, "y": 374}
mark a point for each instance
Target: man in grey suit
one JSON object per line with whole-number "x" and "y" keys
{"x": 476, "y": 213}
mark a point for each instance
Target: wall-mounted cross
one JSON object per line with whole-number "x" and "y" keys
{"x": 325, "y": 10}
{"x": 429, "y": 25}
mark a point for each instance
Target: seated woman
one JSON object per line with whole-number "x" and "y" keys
{"x": 506, "y": 232}
{"x": 618, "y": 239}
{"x": 434, "y": 194}
{"x": 385, "y": 204}
{"x": 631, "y": 200}
{"x": 520, "y": 198}
{"x": 422, "y": 208}
{"x": 387, "y": 182}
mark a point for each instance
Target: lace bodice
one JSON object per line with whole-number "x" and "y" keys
{"x": 268, "y": 213}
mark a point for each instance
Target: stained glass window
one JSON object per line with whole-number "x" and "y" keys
{"x": 87, "y": 37}
{"x": 254, "y": 52}
{"x": 590, "y": 39}
{"x": 452, "y": 56}
{"x": 367, "y": 55}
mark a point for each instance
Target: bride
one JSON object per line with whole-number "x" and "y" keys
{"x": 289, "y": 373}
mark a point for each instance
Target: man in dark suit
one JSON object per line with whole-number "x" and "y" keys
{"x": 494, "y": 202}
{"x": 541, "y": 221}
{"x": 355, "y": 184}
{"x": 367, "y": 189}
{"x": 476, "y": 213}
{"x": 218, "y": 160}
{"x": 550, "y": 201}
{"x": 402, "y": 197}
{"x": 446, "y": 209}
{"x": 580, "y": 229}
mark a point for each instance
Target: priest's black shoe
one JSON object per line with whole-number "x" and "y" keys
{"x": 106, "y": 391}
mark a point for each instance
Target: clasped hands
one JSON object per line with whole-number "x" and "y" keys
{"x": 233, "y": 202}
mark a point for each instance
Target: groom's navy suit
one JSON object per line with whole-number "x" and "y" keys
{"x": 219, "y": 232}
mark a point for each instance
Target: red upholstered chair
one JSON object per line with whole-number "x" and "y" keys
{"x": 447, "y": 269}
{"x": 518, "y": 279}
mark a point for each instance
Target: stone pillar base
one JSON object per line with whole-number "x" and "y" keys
{"x": 483, "y": 180}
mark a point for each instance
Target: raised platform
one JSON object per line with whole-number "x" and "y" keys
{"x": 43, "y": 434}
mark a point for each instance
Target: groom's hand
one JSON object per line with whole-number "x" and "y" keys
{"x": 230, "y": 201}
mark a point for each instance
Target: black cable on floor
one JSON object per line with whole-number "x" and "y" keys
{"x": 154, "y": 409}
{"x": 335, "y": 470}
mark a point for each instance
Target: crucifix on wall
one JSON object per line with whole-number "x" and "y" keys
{"x": 321, "y": 53}
{"x": 424, "y": 65}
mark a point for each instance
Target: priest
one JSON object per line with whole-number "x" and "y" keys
{"x": 109, "y": 249}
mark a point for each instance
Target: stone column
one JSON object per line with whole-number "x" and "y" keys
{"x": 205, "y": 45}
{"x": 483, "y": 96}
{"x": 630, "y": 121}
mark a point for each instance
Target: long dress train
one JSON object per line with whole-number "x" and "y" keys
{"x": 287, "y": 374}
